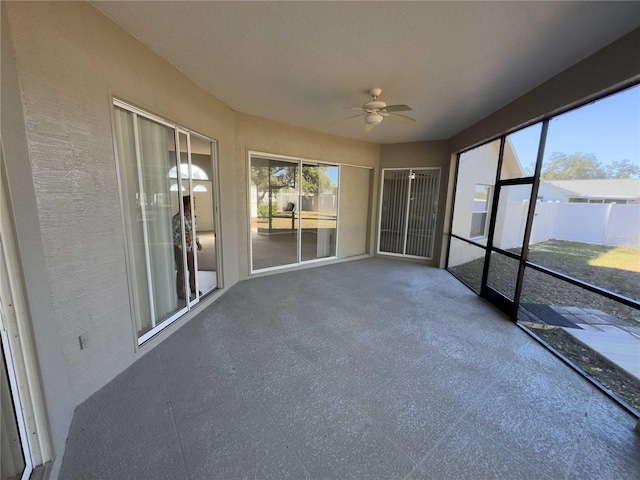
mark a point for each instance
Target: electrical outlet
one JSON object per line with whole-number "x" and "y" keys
{"x": 84, "y": 341}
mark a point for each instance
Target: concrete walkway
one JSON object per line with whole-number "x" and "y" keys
{"x": 611, "y": 337}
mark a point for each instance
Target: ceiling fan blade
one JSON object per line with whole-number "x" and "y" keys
{"x": 402, "y": 118}
{"x": 352, "y": 108}
{"x": 353, "y": 116}
{"x": 398, "y": 108}
{"x": 368, "y": 127}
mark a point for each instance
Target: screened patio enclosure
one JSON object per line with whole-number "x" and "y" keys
{"x": 563, "y": 264}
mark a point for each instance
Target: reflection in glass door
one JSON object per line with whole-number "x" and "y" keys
{"x": 408, "y": 211}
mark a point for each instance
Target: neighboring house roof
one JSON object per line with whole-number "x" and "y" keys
{"x": 555, "y": 188}
{"x": 611, "y": 188}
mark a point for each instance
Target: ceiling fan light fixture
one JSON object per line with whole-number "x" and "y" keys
{"x": 373, "y": 119}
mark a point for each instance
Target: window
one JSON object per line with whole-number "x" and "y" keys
{"x": 197, "y": 173}
{"x": 480, "y": 212}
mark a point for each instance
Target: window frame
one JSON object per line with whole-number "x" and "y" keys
{"x": 490, "y": 191}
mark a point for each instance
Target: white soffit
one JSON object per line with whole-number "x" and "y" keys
{"x": 301, "y": 63}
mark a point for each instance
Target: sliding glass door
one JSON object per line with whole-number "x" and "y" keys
{"x": 408, "y": 210}
{"x": 159, "y": 180}
{"x": 294, "y": 211}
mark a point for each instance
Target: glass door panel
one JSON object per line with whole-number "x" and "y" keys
{"x": 162, "y": 180}
{"x": 393, "y": 216}
{"x": 423, "y": 206}
{"x": 274, "y": 212}
{"x": 185, "y": 238}
{"x": 318, "y": 211}
{"x": 12, "y": 461}
{"x": 156, "y": 158}
{"x": 408, "y": 211}
{"x": 202, "y": 194}
{"x": 146, "y": 150}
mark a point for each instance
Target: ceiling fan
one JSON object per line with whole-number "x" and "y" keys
{"x": 376, "y": 110}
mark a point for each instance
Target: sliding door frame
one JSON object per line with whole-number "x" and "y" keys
{"x": 18, "y": 345}
{"x": 133, "y": 293}
{"x": 299, "y": 162}
{"x": 411, "y": 171}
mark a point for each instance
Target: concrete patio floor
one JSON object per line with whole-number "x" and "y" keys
{"x": 371, "y": 369}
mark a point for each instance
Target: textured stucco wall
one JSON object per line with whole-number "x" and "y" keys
{"x": 420, "y": 154}
{"x": 60, "y": 402}
{"x": 258, "y": 134}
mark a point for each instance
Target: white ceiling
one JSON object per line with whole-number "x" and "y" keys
{"x": 301, "y": 63}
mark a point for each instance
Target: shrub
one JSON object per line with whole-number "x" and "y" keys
{"x": 263, "y": 211}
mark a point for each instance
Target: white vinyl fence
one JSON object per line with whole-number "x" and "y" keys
{"x": 603, "y": 224}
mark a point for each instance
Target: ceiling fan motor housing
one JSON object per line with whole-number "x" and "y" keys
{"x": 374, "y": 105}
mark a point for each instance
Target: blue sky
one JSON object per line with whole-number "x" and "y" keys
{"x": 608, "y": 128}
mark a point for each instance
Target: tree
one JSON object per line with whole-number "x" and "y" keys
{"x": 561, "y": 166}
{"x": 582, "y": 166}
{"x": 315, "y": 181}
{"x": 274, "y": 177}
{"x": 622, "y": 169}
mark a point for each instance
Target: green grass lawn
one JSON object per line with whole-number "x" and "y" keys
{"x": 616, "y": 269}
{"x": 613, "y": 268}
